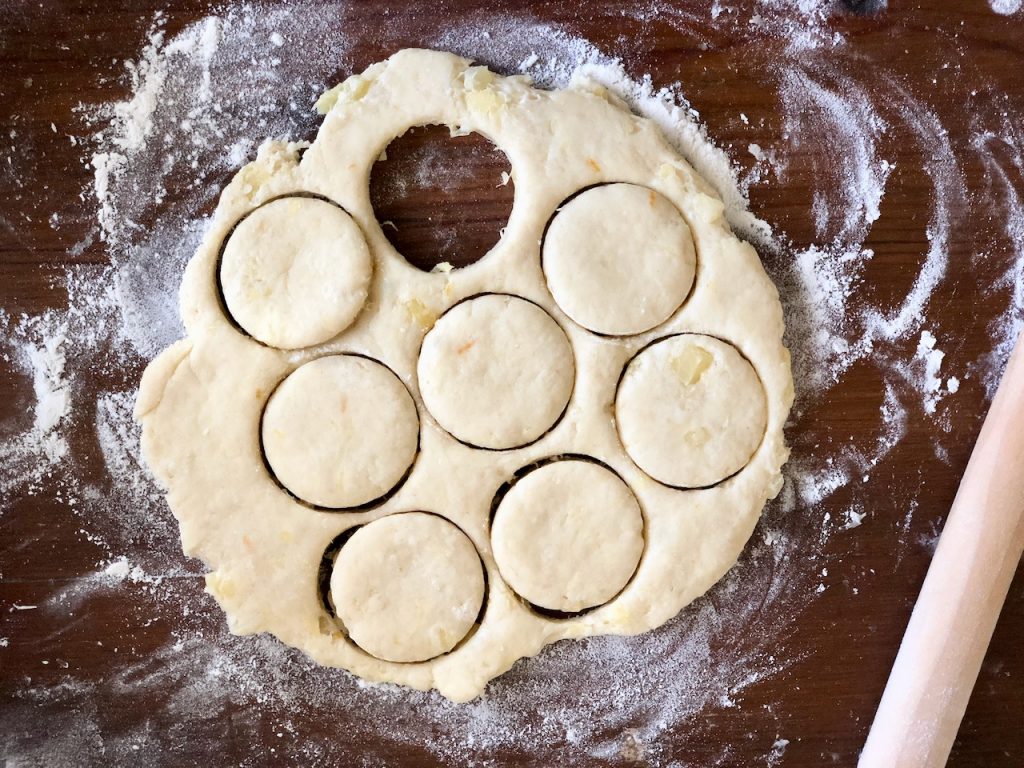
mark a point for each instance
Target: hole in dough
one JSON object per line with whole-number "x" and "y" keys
{"x": 295, "y": 272}
{"x": 567, "y": 535}
{"x": 440, "y": 198}
{"x": 408, "y": 587}
{"x": 340, "y": 432}
{"x": 496, "y": 371}
{"x": 691, "y": 410}
{"x": 619, "y": 259}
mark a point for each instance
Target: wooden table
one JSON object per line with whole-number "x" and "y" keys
{"x": 961, "y": 61}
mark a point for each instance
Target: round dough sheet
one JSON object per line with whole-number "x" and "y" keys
{"x": 608, "y": 383}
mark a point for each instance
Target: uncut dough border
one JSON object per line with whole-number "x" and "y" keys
{"x": 201, "y": 416}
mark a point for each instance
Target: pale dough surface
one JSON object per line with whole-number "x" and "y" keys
{"x": 496, "y": 371}
{"x": 340, "y": 431}
{"x": 295, "y": 272}
{"x": 619, "y": 259}
{"x": 568, "y": 535}
{"x": 407, "y": 587}
{"x": 691, "y": 410}
{"x": 202, "y": 400}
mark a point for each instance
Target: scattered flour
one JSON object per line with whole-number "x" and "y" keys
{"x": 33, "y": 453}
{"x": 1002, "y": 154}
{"x": 199, "y": 104}
{"x": 1005, "y": 7}
{"x": 777, "y": 752}
{"x": 932, "y": 382}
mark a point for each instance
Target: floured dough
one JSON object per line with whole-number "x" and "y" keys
{"x": 496, "y": 371}
{"x": 492, "y": 390}
{"x": 619, "y": 259}
{"x": 340, "y": 431}
{"x": 407, "y": 587}
{"x": 691, "y": 410}
{"x": 295, "y": 272}
{"x": 568, "y": 535}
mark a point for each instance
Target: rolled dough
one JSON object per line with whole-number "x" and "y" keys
{"x": 204, "y": 402}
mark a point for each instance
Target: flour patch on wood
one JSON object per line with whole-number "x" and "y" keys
{"x": 36, "y": 349}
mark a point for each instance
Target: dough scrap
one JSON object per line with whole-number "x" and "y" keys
{"x": 407, "y": 587}
{"x": 496, "y": 371}
{"x": 295, "y": 272}
{"x": 619, "y": 259}
{"x": 202, "y": 401}
{"x": 568, "y": 535}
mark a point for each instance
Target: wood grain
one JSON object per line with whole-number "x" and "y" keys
{"x": 443, "y": 197}
{"x": 55, "y": 55}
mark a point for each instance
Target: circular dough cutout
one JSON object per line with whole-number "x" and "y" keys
{"x": 340, "y": 431}
{"x": 568, "y": 535}
{"x": 619, "y": 259}
{"x": 408, "y": 587}
{"x": 295, "y": 272}
{"x": 496, "y": 371}
{"x": 691, "y": 411}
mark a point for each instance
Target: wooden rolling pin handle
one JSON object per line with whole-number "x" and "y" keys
{"x": 956, "y": 612}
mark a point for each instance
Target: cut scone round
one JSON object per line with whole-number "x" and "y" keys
{"x": 407, "y": 587}
{"x": 619, "y": 259}
{"x": 295, "y": 272}
{"x": 496, "y": 371}
{"x": 340, "y": 431}
{"x": 691, "y": 411}
{"x": 568, "y": 535}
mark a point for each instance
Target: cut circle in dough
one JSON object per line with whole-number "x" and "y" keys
{"x": 568, "y": 535}
{"x": 426, "y": 193}
{"x": 295, "y": 272}
{"x": 496, "y": 371}
{"x": 340, "y": 432}
{"x": 408, "y": 587}
{"x": 619, "y": 259}
{"x": 691, "y": 411}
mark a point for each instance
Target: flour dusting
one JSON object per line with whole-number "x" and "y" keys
{"x": 33, "y": 453}
{"x": 1005, "y": 7}
{"x": 199, "y": 102}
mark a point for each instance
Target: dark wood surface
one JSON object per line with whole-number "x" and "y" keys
{"x": 55, "y": 55}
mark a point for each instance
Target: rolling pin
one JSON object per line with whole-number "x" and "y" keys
{"x": 956, "y": 612}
